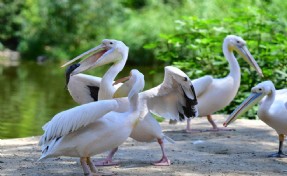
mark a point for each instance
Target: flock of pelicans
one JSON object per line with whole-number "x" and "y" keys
{"x": 111, "y": 111}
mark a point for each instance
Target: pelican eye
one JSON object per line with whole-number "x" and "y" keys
{"x": 111, "y": 43}
{"x": 185, "y": 79}
{"x": 260, "y": 89}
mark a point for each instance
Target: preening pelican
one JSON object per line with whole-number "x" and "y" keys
{"x": 272, "y": 110}
{"x": 93, "y": 128}
{"x": 214, "y": 94}
{"x": 173, "y": 99}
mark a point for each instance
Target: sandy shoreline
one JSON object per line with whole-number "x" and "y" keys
{"x": 240, "y": 152}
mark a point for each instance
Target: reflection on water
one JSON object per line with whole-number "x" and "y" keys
{"x": 31, "y": 94}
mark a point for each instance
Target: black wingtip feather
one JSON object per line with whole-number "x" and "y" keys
{"x": 181, "y": 116}
{"x": 189, "y": 108}
{"x": 94, "y": 92}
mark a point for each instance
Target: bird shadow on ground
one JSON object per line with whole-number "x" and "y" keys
{"x": 240, "y": 152}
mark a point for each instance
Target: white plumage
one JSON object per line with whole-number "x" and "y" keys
{"x": 79, "y": 116}
{"x": 272, "y": 110}
{"x": 216, "y": 93}
{"x": 93, "y": 128}
{"x": 166, "y": 100}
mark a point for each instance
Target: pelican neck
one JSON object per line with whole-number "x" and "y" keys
{"x": 268, "y": 101}
{"x": 107, "y": 89}
{"x": 233, "y": 64}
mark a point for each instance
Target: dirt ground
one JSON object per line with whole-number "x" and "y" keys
{"x": 240, "y": 152}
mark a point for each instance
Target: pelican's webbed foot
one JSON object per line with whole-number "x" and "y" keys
{"x": 109, "y": 160}
{"x": 279, "y": 154}
{"x": 162, "y": 162}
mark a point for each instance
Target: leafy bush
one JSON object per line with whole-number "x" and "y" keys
{"x": 64, "y": 29}
{"x": 10, "y": 24}
{"x": 185, "y": 33}
{"x": 196, "y": 47}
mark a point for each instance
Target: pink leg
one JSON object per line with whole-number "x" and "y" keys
{"x": 91, "y": 165}
{"x": 95, "y": 171}
{"x": 109, "y": 159}
{"x": 214, "y": 126}
{"x": 164, "y": 161}
{"x": 188, "y": 129}
{"x": 85, "y": 166}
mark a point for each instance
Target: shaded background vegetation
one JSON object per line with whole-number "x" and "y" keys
{"x": 185, "y": 33}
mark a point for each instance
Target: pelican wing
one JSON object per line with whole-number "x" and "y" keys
{"x": 84, "y": 88}
{"x": 70, "y": 120}
{"x": 201, "y": 84}
{"x": 174, "y": 98}
{"x": 165, "y": 106}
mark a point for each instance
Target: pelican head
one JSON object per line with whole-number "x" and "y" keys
{"x": 257, "y": 93}
{"x": 136, "y": 79}
{"x": 238, "y": 44}
{"x": 109, "y": 51}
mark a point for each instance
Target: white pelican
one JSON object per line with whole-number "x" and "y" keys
{"x": 93, "y": 128}
{"x": 85, "y": 88}
{"x": 173, "y": 99}
{"x": 272, "y": 110}
{"x": 214, "y": 94}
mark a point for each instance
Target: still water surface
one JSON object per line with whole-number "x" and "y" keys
{"x": 31, "y": 94}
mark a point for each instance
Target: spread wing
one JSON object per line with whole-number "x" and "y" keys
{"x": 72, "y": 119}
{"x": 173, "y": 99}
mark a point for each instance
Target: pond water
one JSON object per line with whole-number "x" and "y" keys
{"x": 31, "y": 94}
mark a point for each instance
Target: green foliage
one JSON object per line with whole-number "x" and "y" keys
{"x": 196, "y": 47}
{"x": 10, "y": 24}
{"x": 63, "y": 29}
{"x": 185, "y": 33}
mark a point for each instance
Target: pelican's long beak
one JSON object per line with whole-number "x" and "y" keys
{"x": 90, "y": 58}
{"x": 124, "y": 89}
{"x": 244, "y": 52}
{"x": 121, "y": 80}
{"x": 243, "y": 107}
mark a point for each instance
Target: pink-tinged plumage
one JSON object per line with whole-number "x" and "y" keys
{"x": 216, "y": 93}
{"x": 176, "y": 88}
{"x": 94, "y": 127}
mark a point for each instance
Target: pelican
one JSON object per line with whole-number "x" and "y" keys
{"x": 174, "y": 98}
{"x": 272, "y": 110}
{"x": 214, "y": 94}
{"x": 85, "y": 88}
{"x": 94, "y": 127}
